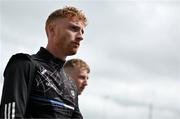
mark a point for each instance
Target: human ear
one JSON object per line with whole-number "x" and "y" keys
{"x": 51, "y": 29}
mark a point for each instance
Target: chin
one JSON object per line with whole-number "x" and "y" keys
{"x": 72, "y": 52}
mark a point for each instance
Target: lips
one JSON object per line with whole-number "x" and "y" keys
{"x": 75, "y": 44}
{"x": 82, "y": 88}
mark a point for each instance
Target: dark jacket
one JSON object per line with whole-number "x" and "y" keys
{"x": 37, "y": 87}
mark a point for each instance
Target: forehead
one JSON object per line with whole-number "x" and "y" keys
{"x": 81, "y": 70}
{"x": 76, "y": 21}
{"x": 72, "y": 20}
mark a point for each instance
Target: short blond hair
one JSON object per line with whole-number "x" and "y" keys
{"x": 66, "y": 12}
{"x": 77, "y": 63}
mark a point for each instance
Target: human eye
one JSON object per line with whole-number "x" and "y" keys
{"x": 82, "y": 77}
{"x": 74, "y": 28}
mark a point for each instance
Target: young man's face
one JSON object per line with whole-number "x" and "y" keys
{"x": 81, "y": 77}
{"x": 68, "y": 33}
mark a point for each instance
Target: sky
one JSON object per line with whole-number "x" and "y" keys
{"x": 132, "y": 47}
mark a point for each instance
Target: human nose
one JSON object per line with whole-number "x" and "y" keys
{"x": 79, "y": 36}
{"x": 85, "y": 82}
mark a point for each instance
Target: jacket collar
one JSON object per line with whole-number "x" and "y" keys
{"x": 46, "y": 56}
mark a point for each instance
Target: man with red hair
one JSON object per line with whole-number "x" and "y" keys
{"x": 36, "y": 86}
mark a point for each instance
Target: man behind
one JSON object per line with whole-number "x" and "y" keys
{"x": 50, "y": 93}
{"x": 79, "y": 71}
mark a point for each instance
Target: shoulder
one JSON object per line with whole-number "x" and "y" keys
{"x": 18, "y": 61}
{"x": 20, "y": 56}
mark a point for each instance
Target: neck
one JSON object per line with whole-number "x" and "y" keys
{"x": 56, "y": 52}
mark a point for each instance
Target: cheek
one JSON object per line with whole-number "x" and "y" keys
{"x": 68, "y": 34}
{"x": 63, "y": 40}
{"x": 67, "y": 38}
{"x": 79, "y": 82}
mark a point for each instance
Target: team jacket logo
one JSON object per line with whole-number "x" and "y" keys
{"x": 46, "y": 81}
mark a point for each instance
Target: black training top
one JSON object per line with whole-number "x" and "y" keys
{"x": 51, "y": 95}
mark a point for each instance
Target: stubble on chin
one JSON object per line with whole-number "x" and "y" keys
{"x": 72, "y": 52}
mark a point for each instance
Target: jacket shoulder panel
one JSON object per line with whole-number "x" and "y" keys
{"x": 18, "y": 57}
